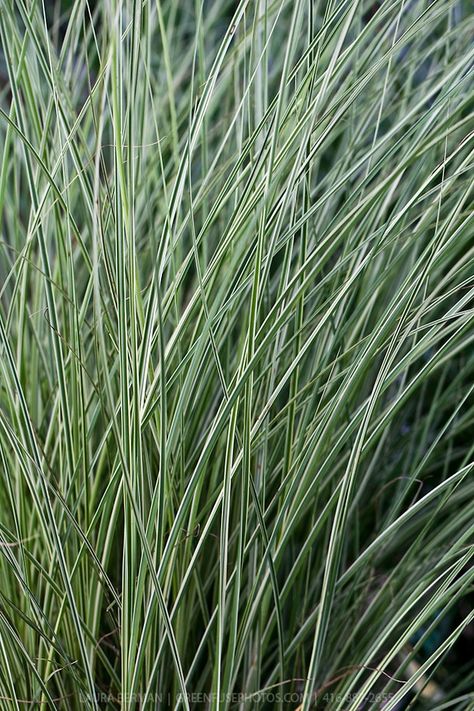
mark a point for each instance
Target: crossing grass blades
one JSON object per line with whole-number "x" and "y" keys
{"x": 237, "y": 355}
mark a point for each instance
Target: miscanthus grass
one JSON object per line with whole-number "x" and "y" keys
{"x": 237, "y": 354}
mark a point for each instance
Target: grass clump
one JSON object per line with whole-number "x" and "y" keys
{"x": 236, "y": 334}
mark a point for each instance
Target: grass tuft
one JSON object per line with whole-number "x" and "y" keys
{"x": 237, "y": 355}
